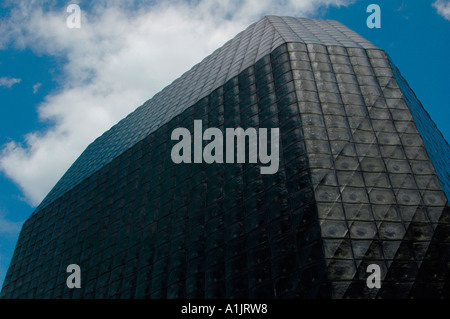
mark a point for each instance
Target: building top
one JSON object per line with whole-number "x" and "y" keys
{"x": 244, "y": 50}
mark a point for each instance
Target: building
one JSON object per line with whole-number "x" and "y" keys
{"x": 363, "y": 179}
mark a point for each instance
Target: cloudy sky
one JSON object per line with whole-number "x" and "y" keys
{"x": 60, "y": 88}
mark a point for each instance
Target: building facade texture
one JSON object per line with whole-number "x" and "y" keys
{"x": 363, "y": 179}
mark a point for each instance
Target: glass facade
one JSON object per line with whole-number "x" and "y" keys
{"x": 359, "y": 183}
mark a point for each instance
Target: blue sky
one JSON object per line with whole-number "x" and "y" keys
{"x": 60, "y": 88}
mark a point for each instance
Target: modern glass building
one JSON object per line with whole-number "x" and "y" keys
{"x": 363, "y": 179}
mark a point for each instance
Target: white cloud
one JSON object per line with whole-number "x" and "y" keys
{"x": 9, "y": 228}
{"x": 36, "y": 87}
{"x": 443, "y": 8}
{"x": 124, "y": 53}
{"x": 8, "y": 82}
